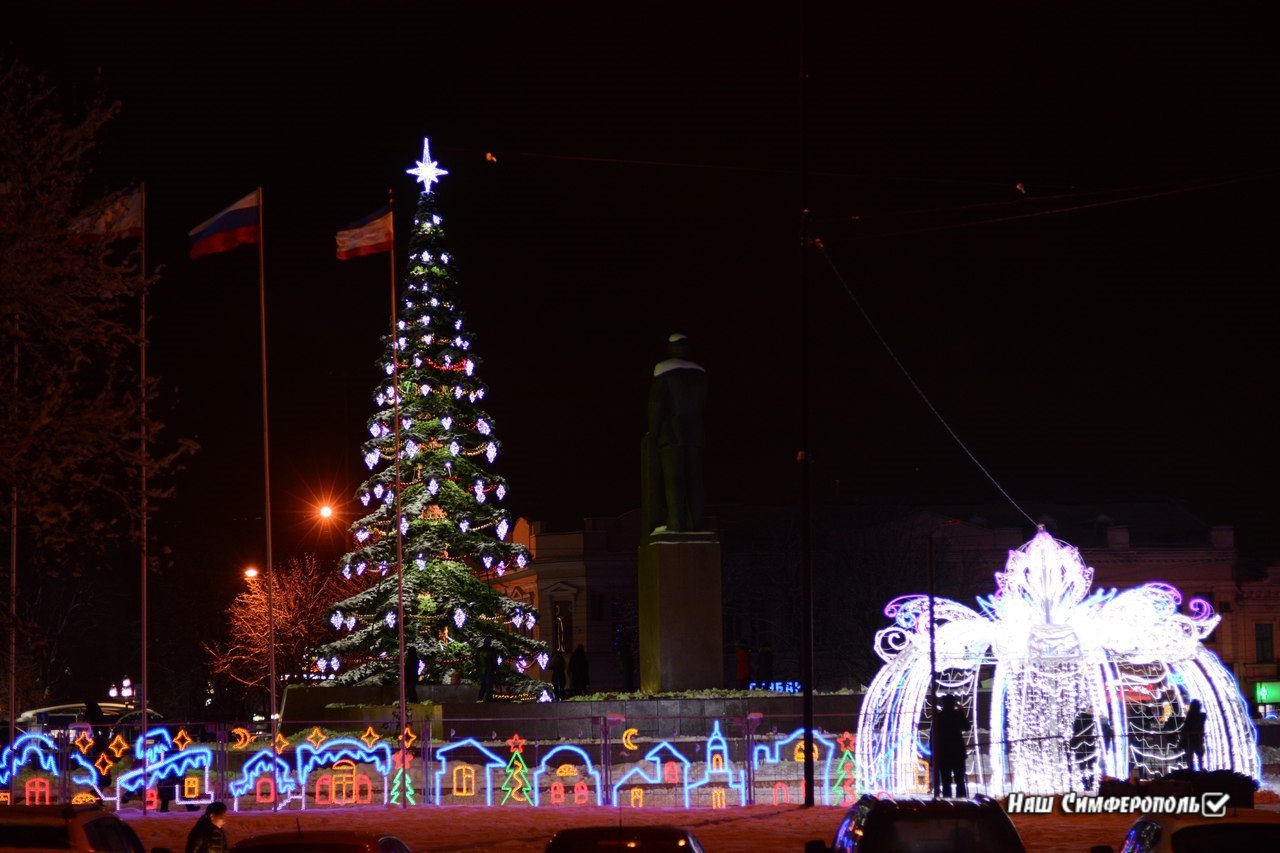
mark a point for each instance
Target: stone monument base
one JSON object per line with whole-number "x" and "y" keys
{"x": 681, "y": 645}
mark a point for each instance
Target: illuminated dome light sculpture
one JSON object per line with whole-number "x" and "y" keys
{"x": 1052, "y": 652}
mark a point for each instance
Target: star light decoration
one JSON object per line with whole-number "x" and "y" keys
{"x": 427, "y": 171}
{"x": 1051, "y": 650}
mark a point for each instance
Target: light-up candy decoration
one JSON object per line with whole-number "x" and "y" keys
{"x": 1051, "y": 650}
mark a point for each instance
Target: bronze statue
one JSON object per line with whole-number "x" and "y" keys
{"x": 675, "y": 439}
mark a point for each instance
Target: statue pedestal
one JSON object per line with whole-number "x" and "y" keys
{"x": 681, "y": 644}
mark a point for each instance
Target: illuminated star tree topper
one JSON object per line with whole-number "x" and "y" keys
{"x": 427, "y": 171}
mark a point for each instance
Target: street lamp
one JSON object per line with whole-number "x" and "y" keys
{"x": 251, "y": 574}
{"x": 124, "y": 691}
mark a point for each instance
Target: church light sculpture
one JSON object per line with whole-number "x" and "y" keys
{"x": 1126, "y": 663}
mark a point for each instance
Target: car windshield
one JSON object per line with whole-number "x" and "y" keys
{"x": 1216, "y": 837}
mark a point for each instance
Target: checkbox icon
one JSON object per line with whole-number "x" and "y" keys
{"x": 1214, "y": 805}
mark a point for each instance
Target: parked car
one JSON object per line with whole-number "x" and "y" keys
{"x": 322, "y": 841}
{"x": 888, "y": 825}
{"x": 1244, "y": 830}
{"x": 57, "y": 827}
{"x": 614, "y": 837}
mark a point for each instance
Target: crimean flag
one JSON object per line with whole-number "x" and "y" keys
{"x": 235, "y": 226}
{"x": 117, "y": 218}
{"x": 367, "y": 236}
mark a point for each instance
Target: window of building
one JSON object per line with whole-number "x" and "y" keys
{"x": 1264, "y": 643}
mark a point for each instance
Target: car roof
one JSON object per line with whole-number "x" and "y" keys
{"x": 1173, "y": 823}
{"x": 49, "y": 811}
{"x": 928, "y": 806}
{"x": 304, "y": 837}
{"x": 652, "y": 831}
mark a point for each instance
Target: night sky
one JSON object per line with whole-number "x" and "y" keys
{"x": 1060, "y": 221}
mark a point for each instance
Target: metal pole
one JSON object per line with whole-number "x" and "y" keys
{"x": 806, "y": 569}
{"x": 13, "y": 576}
{"x": 933, "y": 671}
{"x": 142, "y": 531}
{"x": 266, "y": 483}
{"x": 395, "y": 405}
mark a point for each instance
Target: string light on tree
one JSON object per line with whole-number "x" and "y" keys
{"x": 446, "y": 449}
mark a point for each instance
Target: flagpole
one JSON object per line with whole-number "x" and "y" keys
{"x": 266, "y": 485}
{"x": 13, "y": 575}
{"x": 142, "y": 325}
{"x": 395, "y": 403}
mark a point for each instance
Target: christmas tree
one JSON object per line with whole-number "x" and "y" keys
{"x": 445, "y": 523}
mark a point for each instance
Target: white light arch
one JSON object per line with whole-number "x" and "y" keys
{"x": 1051, "y": 650}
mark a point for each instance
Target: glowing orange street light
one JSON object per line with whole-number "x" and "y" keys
{"x": 251, "y": 573}
{"x": 326, "y": 511}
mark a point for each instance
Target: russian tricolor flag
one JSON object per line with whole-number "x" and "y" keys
{"x": 235, "y": 226}
{"x": 367, "y": 236}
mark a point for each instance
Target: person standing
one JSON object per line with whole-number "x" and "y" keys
{"x": 1084, "y": 745}
{"x": 1193, "y": 735}
{"x": 208, "y": 836}
{"x": 579, "y": 678}
{"x": 744, "y": 665}
{"x": 558, "y": 675}
{"x": 949, "y": 750}
{"x": 488, "y": 668}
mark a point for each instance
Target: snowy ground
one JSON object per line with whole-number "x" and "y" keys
{"x": 737, "y": 830}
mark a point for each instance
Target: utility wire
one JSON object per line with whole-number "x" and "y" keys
{"x": 1145, "y": 196}
{"x": 876, "y": 331}
{"x": 493, "y": 157}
